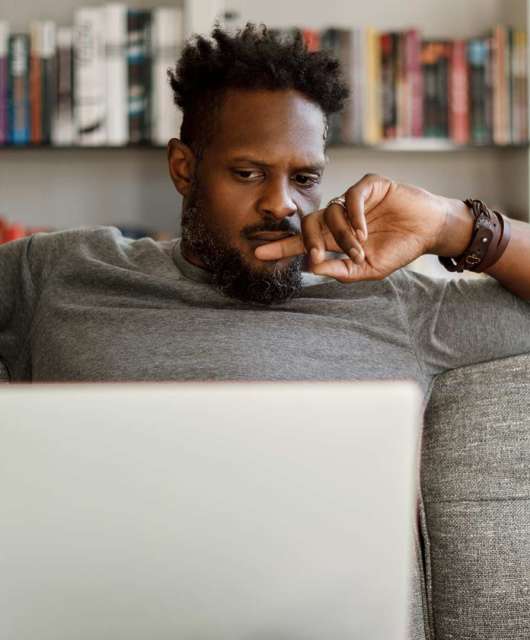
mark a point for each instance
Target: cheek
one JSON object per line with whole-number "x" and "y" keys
{"x": 227, "y": 205}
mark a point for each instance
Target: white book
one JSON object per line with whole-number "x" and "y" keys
{"x": 63, "y": 120}
{"x": 116, "y": 73}
{"x": 167, "y": 38}
{"x": 89, "y": 73}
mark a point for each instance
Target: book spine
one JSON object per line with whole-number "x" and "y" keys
{"x": 63, "y": 117}
{"x": 428, "y": 62}
{"x": 116, "y": 74}
{"x": 500, "y": 88}
{"x": 415, "y": 83}
{"x": 401, "y": 86}
{"x": 458, "y": 94}
{"x": 139, "y": 75}
{"x": 388, "y": 92}
{"x": 478, "y": 55}
{"x": 19, "y": 124}
{"x": 523, "y": 83}
{"x": 372, "y": 109}
{"x": 4, "y": 40}
{"x": 442, "y": 91}
{"x": 346, "y": 58}
{"x": 312, "y": 39}
{"x": 48, "y": 42}
{"x": 330, "y": 41}
{"x": 517, "y": 75}
{"x": 509, "y": 80}
{"x": 35, "y": 84}
{"x": 89, "y": 72}
{"x": 167, "y": 39}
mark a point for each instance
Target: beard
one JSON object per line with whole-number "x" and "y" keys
{"x": 231, "y": 274}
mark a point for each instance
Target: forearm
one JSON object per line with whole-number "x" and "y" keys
{"x": 512, "y": 270}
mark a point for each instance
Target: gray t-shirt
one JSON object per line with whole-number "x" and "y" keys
{"x": 90, "y": 305}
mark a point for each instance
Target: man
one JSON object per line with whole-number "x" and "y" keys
{"x": 234, "y": 299}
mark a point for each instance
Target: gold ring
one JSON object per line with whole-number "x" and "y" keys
{"x": 340, "y": 200}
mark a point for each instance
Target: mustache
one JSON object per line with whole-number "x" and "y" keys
{"x": 284, "y": 226}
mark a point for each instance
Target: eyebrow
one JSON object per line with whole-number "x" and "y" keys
{"x": 317, "y": 166}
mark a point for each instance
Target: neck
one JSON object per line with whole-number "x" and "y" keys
{"x": 188, "y": 254}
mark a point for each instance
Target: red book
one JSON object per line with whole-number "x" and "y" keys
{"x": 35, "y": 87}
{"x": 311, "y": 39}
{"x": 459, "y": 129}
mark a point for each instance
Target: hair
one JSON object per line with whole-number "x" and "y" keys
{"x": 253, "y": 58}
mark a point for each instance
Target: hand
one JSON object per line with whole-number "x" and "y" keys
{"x": 385, "y": 227}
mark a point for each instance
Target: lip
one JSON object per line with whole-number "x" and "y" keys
{"x": 270, "y": 236}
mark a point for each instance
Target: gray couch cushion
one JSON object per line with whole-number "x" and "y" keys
{"x": 476, "y": 491}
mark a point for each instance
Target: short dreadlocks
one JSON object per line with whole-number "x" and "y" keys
{"x": 253, "y": 58}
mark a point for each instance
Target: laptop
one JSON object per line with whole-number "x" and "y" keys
{"x": 213, "y": 511}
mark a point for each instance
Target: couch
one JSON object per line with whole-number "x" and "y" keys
{"x": 472, "y": 573}
{"x": 472, "y": 563}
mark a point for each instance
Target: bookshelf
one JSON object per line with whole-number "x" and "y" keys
{"x": 78, "y": 186}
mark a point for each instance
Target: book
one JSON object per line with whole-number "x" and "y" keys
{"x": 330, "y": 41}
{"x": 414, "y": 85}
{"x": 312, "y": 39}
{"x": 459, "y": 94}
{"x": 501, "y": 86}
{"x": 35, "y": 84}
{"x": 4, "y": 45}
{"x": 48, "y": 46}
{"x": 89, "y": 70}
{"x": 63, "y": 129}
{"x": 18, "y": 96}
{"x": 347, "y": 133}
{"x": 480, "y": 91}
{"x": 388, "y": 84}
{"x": 139, "y": 74}
{"x": 167, "y": 39}
{"x": 372, "y": 120}
{"x": 116, "y": 93}
{"x": 435, "y": 55}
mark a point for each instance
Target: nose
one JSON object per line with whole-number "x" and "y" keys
{"x": 276, "y": 200}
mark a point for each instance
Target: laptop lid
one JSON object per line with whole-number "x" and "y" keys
{"x": 207, "y": 511}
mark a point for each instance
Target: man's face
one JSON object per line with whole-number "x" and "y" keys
{"x": 255, "y": 181}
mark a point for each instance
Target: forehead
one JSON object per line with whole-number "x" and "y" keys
{"x": 277, "y": 123}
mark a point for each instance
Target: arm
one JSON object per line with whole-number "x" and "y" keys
{"x": 387, "y": 225}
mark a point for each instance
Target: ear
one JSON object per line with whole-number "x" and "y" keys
{"x": 181, "y": 160}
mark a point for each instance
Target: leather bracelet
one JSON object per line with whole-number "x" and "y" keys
{"x": 490, "y": 237}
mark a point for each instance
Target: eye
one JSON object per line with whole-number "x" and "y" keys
{"x": 307, "y": 180}
{"x": 246, "y": 174}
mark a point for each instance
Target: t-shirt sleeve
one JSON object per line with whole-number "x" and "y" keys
{"x": 17, "y": 294}
{"x": 464, "y": 321}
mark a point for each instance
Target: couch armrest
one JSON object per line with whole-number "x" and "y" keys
{"x": 476, "y": 490}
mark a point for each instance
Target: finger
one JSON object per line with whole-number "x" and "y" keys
{"x": 343, "y": 270}
{"x": 356, "y": 197}
{"x": 313, "y": 238}
{"x": 336, "y": 219}
{"x": 292, "y": 246}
